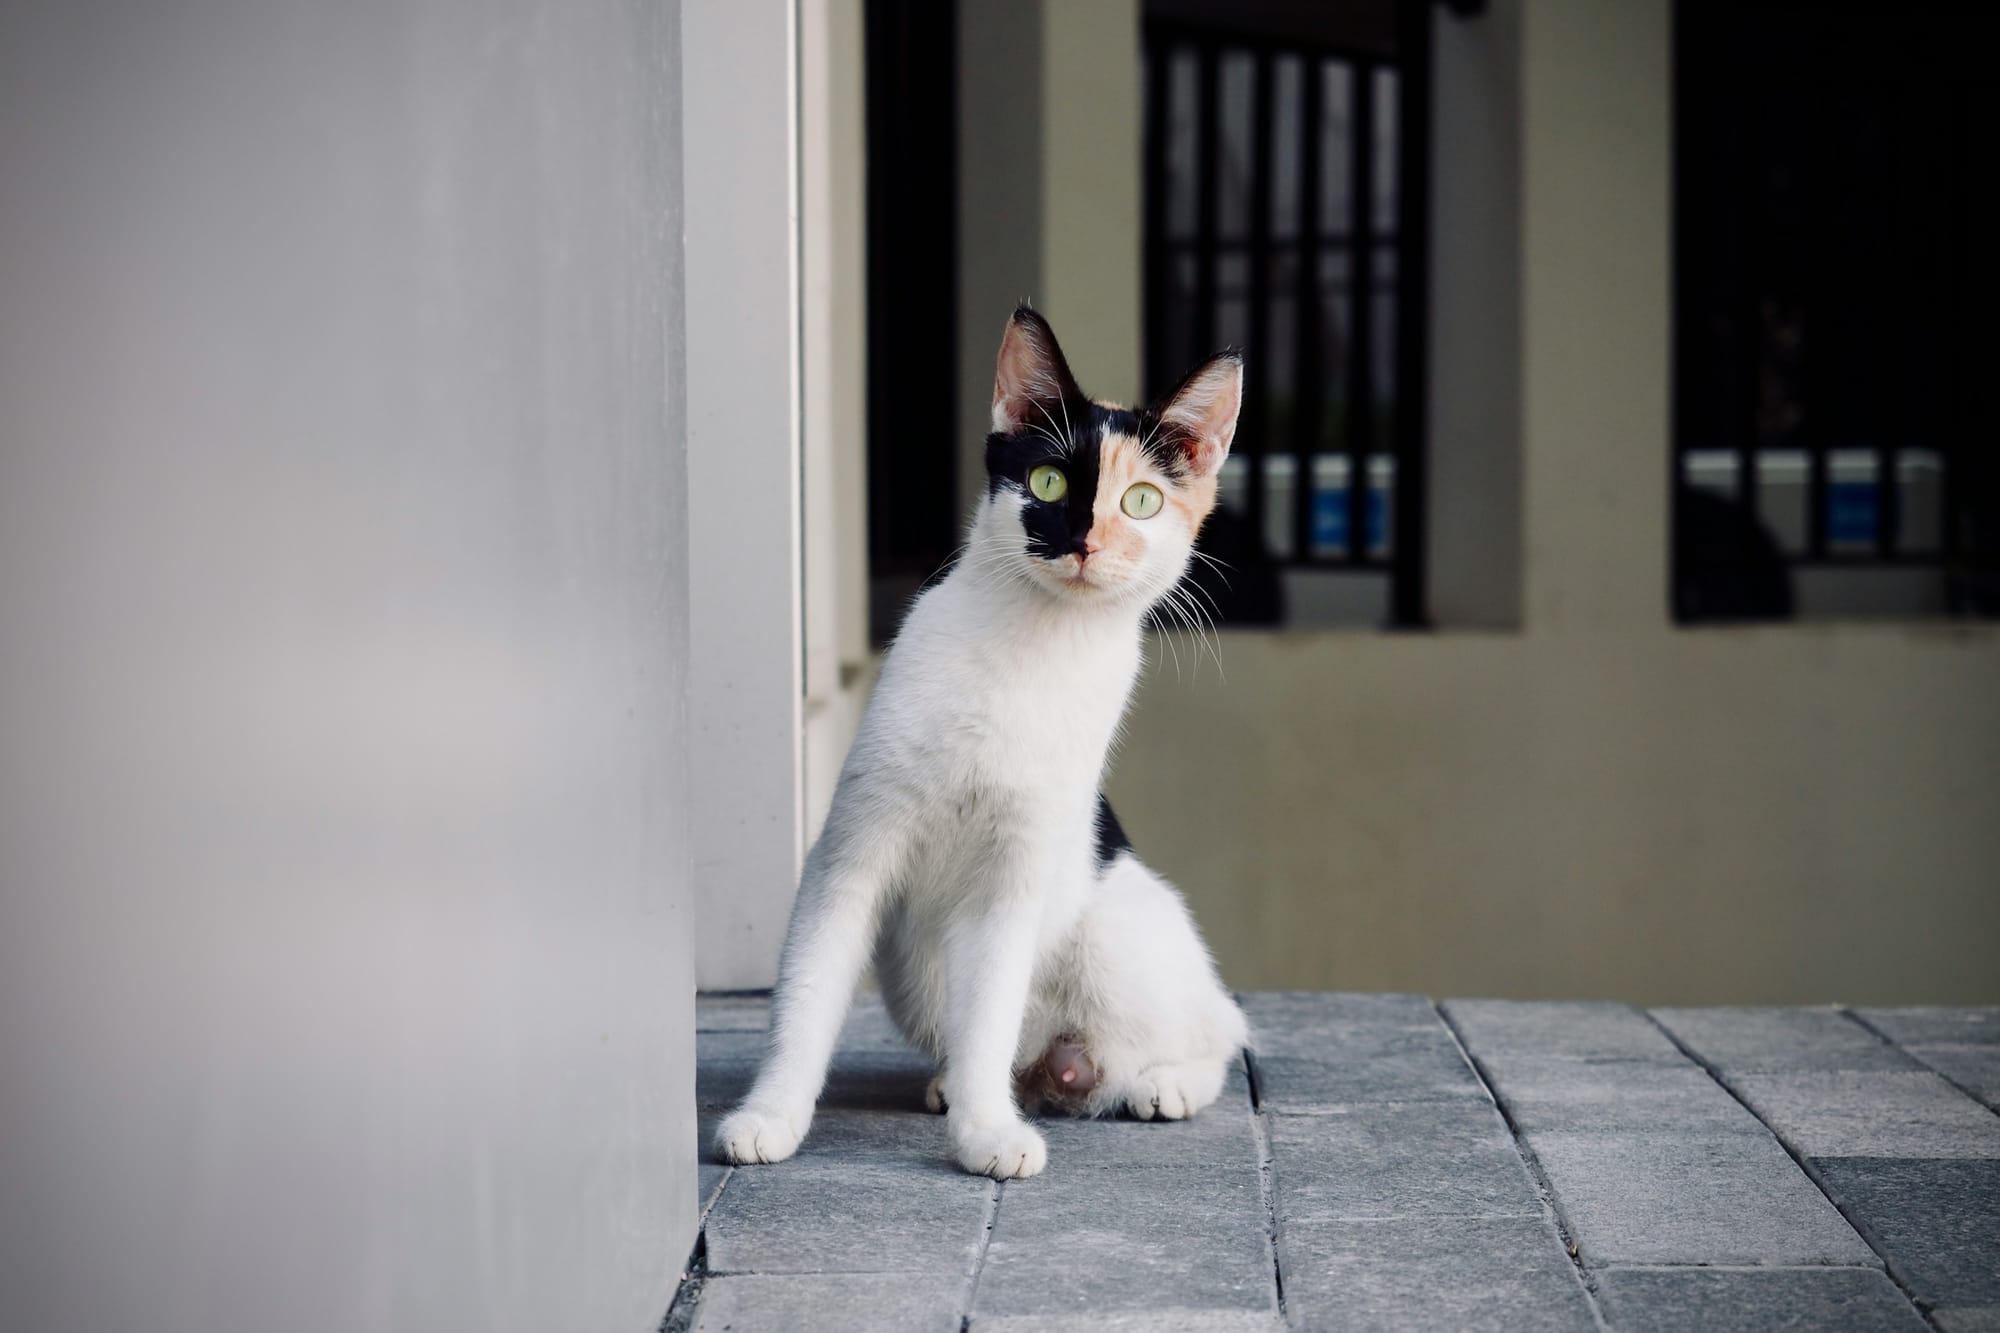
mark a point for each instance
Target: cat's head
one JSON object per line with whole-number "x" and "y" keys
{"x": 1094, "y": 502}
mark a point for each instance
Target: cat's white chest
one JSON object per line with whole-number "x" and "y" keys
{"x": 1027, "y": 707}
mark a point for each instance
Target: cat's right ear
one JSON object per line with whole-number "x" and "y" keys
{"x": 1031, "y": 369}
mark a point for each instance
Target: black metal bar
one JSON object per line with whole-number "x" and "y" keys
{"x": 1159, "y": 63}
{"x": 1812, "y": 368}
{"x": 1408, "y": 604}
{"x": 1309, "y": 363}
{"x": 1361, "y": 316}
{"x": 1257, "y": 369}
{"x": 1751, "y": 266}
{"x": 1205, "y": 198}
{"x": 1888, "y": 489}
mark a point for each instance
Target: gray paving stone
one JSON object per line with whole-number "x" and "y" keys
{"x": 1316, "y": 1051}
{"x": 730, "y": 1046}
{"x": 1145, "y": 1321}
{"x": 734, "y": 1026}
{"x": 1872, "y": 1115}
{"x": 1431, "y": 1273}
{"x": 1974, "y": 1068}
{"x": 845, "y": 1134}
{"x": 1936, "y": 1222}
{"x": 1367, "y": 1064}
{"x": 1559, "y": 1030}
{"x": 1780, "y": 1041}
{"x": 1279, "y": 1017}
{"x": 886, "y": 1078}
{"x": 1673, "y": 1199}
{"x": 832, "y": 1303}
{"x": 1392, "y": 1161}
{"x": 1220, "y": 1137}
{"x": 1545, "y": 1095}
{"x": 732, "y": 1011}
{"x": 1968, "y": 1319}
{"x": 1752, "y": 1300}
{"x": 824, "y": 1217}
{"x": 710, "y": 1177}
{"x": 1937, "y": 1024}
{"x": 1126, "y": 1242}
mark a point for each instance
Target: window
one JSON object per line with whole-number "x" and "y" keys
{"x": 1285, "y": 183}
{"x": 1833, "y": 453}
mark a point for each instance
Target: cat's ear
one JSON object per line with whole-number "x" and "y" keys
{"x": 1200, "y": 416}
{"x": 1031, "y": 369}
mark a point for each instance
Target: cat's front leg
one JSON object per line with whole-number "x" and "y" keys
{"x": 989, "y": 961}
{"x": 826, "y": 945}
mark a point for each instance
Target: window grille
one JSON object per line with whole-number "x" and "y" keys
{"x": 1286, "y": 197}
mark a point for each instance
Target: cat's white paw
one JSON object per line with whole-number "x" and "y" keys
{"x": 754, "y": 1135}
{"x": 1173, "y": 1092}
{"x": 1006, "y": 1150}
{"x": 934, "y": 1095}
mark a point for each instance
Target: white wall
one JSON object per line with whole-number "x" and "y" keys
{"x": 744, "y": 517}
{"x": 833, "y": 309}
{"x": 344, "y": 940}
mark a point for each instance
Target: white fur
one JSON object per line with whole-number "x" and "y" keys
{"x": 960, "y": 850}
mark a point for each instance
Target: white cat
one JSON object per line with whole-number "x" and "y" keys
{"x": 1017, "y": 939}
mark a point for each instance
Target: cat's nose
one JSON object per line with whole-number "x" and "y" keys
{"x": 1085, "y": 547}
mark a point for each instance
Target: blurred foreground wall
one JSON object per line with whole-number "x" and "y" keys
{"x": 343, "y": 870}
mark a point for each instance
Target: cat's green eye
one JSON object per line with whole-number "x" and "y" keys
{"x": 1142, "y": 500}
{"x": 1048, "y": 483}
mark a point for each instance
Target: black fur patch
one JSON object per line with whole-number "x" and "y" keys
{"x": 1111, "y": 839}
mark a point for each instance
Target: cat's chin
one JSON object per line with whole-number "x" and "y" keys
{"x": 1080, "y": 585}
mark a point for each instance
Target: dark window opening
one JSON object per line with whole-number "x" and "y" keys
{"x": 1286, "y": 177}
{"x": 912, "y": 144}
{"x": 1834, "y": 451}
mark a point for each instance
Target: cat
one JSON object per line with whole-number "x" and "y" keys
{"x": 1017, "y": 938}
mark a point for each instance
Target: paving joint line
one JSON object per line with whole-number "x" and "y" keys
{"x": 1551, "y": 1210}
{"x": 680, "y": 1314}
{"x": 1804, "y": 1164}
{"x": 979, "y": 1256}
{"x": 1887, "y": 1040}
{"x": 1266, "y": 1186}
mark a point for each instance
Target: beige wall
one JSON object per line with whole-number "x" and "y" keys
{"x": 1049, "y": 195}
{"x": 1584, "y": 800}
{"x": 1598, "y": 804}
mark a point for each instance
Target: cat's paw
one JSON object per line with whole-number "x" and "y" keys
{"x": 1173, "y": 1092}
{"x": 934, "y": 1095}
{"x": 1005, "y": 1150}
{"x": 754, "y": 1135}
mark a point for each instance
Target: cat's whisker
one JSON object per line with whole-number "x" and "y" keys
{"x": 1214, "y": 632}
{"x": 1219, "y": 566}
{"x": 1199, "y": 624}
{"x": 1194, "y": 630}
{"x": 1067, "y": 444}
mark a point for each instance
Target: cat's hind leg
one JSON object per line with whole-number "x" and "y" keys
{"x": 1173, "y": 1091}
{"x": 1156, "y": 1017}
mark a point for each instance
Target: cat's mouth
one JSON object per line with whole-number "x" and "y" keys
{"x": 1076, "y": 573}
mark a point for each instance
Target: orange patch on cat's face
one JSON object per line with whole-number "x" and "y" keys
{"x": 1123, "y": 542}
{"x": 1188, "y": 501}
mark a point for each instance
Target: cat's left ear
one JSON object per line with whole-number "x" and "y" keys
{"x": 1201, "y": 414}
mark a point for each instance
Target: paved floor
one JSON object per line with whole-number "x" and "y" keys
{"x": 1590, "y": 1165}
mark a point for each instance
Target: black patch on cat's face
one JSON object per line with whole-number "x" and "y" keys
{"x": 1058, "y": 528}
